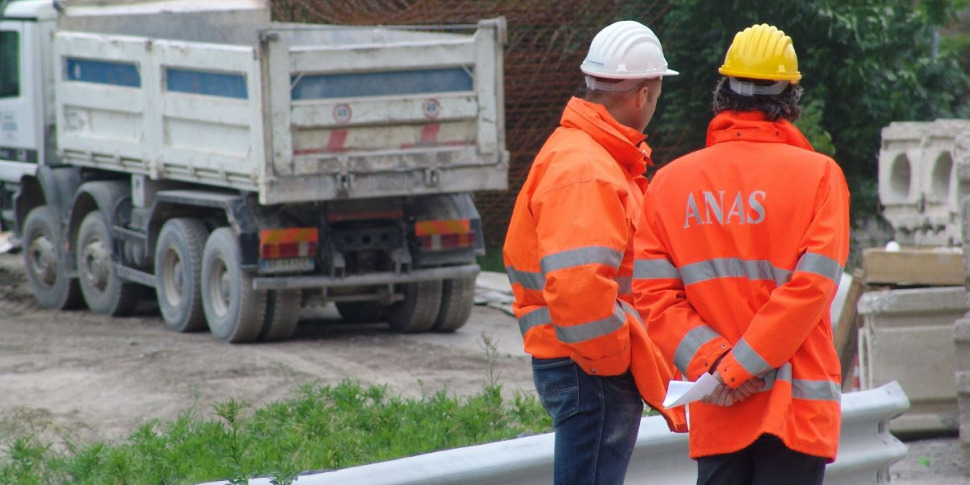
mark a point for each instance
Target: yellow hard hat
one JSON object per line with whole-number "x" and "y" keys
{"x": 762, "y": 52}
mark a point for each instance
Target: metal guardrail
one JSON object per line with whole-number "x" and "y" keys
{"x": 866, "y": 449}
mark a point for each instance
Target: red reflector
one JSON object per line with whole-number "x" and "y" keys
{"x": 288, "y": 250}
{"x": 300, "y": 242}
{"x": 453, "y": 226}
{"x": 447, "y": 241}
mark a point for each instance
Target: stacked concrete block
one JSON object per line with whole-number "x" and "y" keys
{"x": 907, "y": 336}
{"x": 918, "y": 186}
{"x": 961, "y": 329}
{"x": 961, "y": 340}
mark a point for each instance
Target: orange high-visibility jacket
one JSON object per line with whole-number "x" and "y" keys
{"x": 569, "y": 251}
{"x": 747, "y": 245}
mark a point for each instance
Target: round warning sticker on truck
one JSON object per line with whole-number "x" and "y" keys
{"x": 342, "y": 113}
{"x": 431, "y": 108}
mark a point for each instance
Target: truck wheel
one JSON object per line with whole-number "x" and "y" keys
{"x": 234, "y": 310}
{"x": 178, "y": 267}
{"x": 45, "y": 271}
{"x": 282, "y": 315}
{"x": 360, "y": 311}
{"x": 457, "y": 300}
{"x": 419, "y": 309}
{"x": 104, "y": 291}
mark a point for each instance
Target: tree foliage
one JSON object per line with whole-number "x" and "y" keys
{"x": 865, "y": 63}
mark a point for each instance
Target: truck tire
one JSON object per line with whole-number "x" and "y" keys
{"x": 234, "y": 311}
{"x": 419, "y": 309}
{"x": 360, "y": 311}
{"x": 104, "y": 291}
{"x": 178, "y": 269}
{"x": 457, "y": 300}
{"x": 282, "y": 315}
{"x": 45, "y": 270}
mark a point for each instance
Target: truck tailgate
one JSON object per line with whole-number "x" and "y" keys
{"x": 372, "y": 112}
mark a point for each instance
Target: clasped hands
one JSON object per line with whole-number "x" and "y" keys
{"x": 724, "y": 396}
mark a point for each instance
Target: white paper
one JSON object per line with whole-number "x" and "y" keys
{"x": 683, "y": 392}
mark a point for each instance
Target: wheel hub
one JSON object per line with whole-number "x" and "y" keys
{"x": 43, "y": 263}
{"x": 172, "y": 278}
{"x": 220, "y": 289}
{"x": 95, "y": 264}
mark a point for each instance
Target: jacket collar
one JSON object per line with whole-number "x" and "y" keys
{"x": 752, "y": 126}
{"x": 626, "y": 145}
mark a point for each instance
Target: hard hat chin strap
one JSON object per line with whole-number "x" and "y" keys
{"x": 747, "y": 88}
{"x": 594, "y": 84}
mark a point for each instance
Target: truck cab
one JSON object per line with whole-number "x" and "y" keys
{"x": 26, "y": 110}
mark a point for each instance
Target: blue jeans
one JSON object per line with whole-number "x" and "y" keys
{"x": 596, "y": 420}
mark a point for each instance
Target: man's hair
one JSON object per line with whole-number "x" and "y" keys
{"x": 775, "y": 107}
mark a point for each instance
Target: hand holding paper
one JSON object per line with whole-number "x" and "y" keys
{"x": 684, "y": 392}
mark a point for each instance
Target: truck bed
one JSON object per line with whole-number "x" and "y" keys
{"x": 303, "y": 113}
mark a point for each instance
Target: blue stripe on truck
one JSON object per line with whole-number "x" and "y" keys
{"x": 103, "y": 72}
{"x": 323, "y": 86}
{"x": 207, "y": 83}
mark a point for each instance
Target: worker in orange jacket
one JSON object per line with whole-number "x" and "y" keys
{"x": 746, "y": 246}
{"x": 569, "y": 257}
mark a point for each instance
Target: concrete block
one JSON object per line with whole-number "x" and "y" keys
{"x": 907, "y": 336}
{"x": 963, "y": 402}
{"x": 961, "y": 343}
{"x": 936, "y": 266}
{"x": 918, "y": 183}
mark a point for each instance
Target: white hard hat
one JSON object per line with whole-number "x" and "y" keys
{"x": 626, "y": 50}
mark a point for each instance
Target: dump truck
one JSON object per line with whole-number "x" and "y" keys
{"x": 236, "y": 169}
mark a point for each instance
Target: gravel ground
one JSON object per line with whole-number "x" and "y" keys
{"x": 935, "y": 461}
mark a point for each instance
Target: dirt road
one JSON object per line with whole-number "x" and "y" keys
{"x": 101, "y": 376}
{"x": 83, "y": 374}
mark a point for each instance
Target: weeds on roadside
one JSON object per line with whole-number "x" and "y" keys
{"x": 318, "y": 427}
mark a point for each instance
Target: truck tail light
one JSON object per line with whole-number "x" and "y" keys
{"x": 287, "y": 250}
{"x": 444, "y": 234}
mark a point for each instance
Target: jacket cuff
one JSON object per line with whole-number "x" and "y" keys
{"x": 706, "y": 356}
{"x": 612, "y": 365}
{"x": 732, "y": 372}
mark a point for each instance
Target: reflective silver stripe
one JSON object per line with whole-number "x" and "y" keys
{"x": 644, "y": 269}
{"x": 590, "y": 330}
{"x": 820, "y": 265}
{"x": 625, "y": 284}
{"x": 528, "y": 279}
{"x": 803, "y": 388}
{"x": 752, "y": 269}
{"x": 630, "y": 310}
{"x": 749, "y": 359}
{"x": 783, "y": 373}
{"x": 577, "y": 257}
{"x": 539, "y": 316}
{"x": 816, "y": 390}
{"x": 690, "y": 344}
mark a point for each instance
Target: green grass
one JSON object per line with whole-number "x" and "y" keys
{"x": 492, "y": 260}
{"x": 317, "y": 428}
